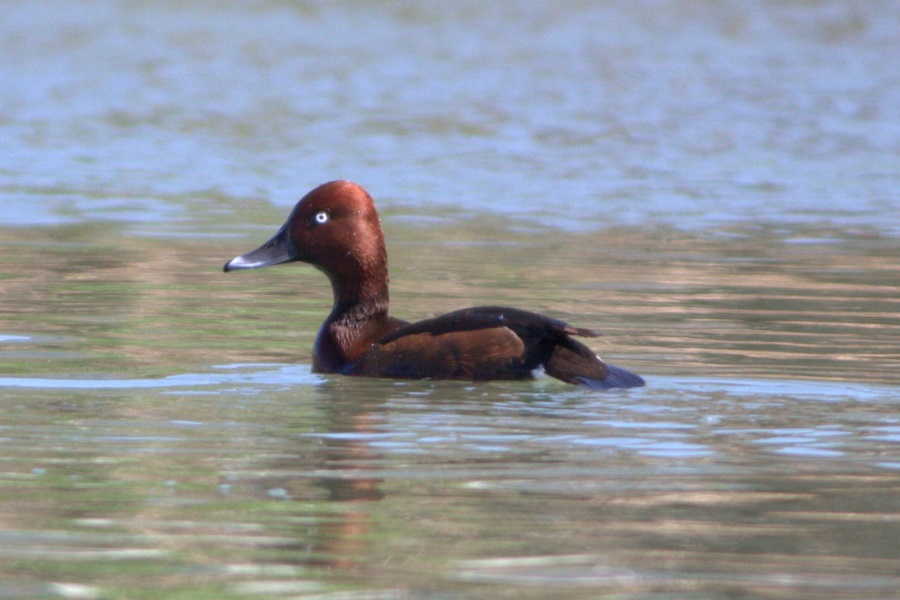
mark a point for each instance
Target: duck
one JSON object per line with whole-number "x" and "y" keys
{"x": 336, "y": 228}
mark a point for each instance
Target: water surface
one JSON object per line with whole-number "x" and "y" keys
{"x": 712, "y": 185}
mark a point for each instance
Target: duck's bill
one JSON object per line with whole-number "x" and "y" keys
{"x": 278, "y": 250}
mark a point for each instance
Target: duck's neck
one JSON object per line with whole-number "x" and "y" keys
{"x": 358, "y": 319}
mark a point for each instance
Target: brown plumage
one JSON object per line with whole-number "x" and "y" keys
{"x": 336, "y": 228}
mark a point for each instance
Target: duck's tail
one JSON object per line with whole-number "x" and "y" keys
{"x": 573, "y": 362}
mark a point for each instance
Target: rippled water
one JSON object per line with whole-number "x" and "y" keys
{"x": 712, "y": 184}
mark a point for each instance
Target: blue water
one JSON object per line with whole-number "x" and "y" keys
{"x": 713, "y": 184}
{"x": 577, "y": 115}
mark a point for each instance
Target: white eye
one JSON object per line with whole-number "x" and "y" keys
{"x": 321, "y": 217}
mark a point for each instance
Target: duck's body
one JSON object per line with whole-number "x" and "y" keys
{"x": 336, "y": 228}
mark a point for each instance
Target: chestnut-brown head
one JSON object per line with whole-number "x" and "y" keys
{"x": 334, "y": 227}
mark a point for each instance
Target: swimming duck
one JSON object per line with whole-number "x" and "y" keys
{"x": 336, "y": 228}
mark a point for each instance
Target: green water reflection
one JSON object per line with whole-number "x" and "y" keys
{"x": 810, "y": 303}
{"x": 159, "y": 421}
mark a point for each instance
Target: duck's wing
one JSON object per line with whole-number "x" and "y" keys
{"x": 523, "y": 322}
{"x": 490, "y": 342}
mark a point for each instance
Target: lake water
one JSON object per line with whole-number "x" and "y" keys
{"x": 711, "y": 184}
